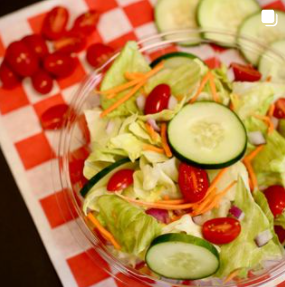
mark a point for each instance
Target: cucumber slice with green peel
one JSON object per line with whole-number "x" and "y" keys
{"x": 254, "y": 29}
{"x": 101, "y": 178}
{"x": 182, "y": 257}
{"x": 173, "y": 60}
{"x": 207, "y": 135}
{"x": 272, "y": 64}
{"x": 177, "y": 15}
{"x": 224, "y": 15}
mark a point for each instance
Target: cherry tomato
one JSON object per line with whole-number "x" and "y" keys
{"x": 245, "y": 73}
{"x": 86, "y": 23}
{"x": 275, "y": 195}
{"x": 8, "y": 77}
{"x": 193, "y": 182}
{"x": 59, "y": 65}
{"x": 54, "y": 117}
{"x": 37, "y": 44}
{"x": 158, "y": 99}
{"x": 120, "y": 180}
{"x": 42, "y": 82}
{"x": 280, "y": 233}
{"x": 55, "y": 23}
{"x": 279, "y": 111}
{"x": 71, "y": 43}
{"x": 21, "y": 59}
{"x": 98, "y": 53}
{"x": 221, "y": 230}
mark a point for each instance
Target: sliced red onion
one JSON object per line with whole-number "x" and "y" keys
{"x": 198, "y": 220}
{"x": 256, "y": 138}
{"x": 154, "y": 125}
{"x": 109, "y": 127}
{"x": 263, "y": 238}
{"x": 275, "y": 122}
{"x": 231, "y": 74}
{"x": 172, "y": 103}
{"x": 237, "y": 212}
{"x": 160, "y": 214}
{"x": 140, "y": 100}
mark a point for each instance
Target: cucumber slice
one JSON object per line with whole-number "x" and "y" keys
{"x": 173, "y": 60}
{"x": 182, "y": 256}
{"x": 253, "y": 28}
{"x": 224, "y": 15}
{"x": 273, "y": 65}
{"x": 177, "y": 15}
{"x": 207, "y": 135}
{"x": 100, "y": 178}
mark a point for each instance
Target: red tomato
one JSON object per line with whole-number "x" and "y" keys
{"x": 98, "y": 53}
{"x": 158, "y": 99}
{"x": 71, "y": 43}
{"x": 245, "y": 73}
{"x": 275, "y": 195}
{"x": 37, "y": 44}
{"x": 54, "y": 117}
{"x": 86, "y": 23}
{"x": 221, "y": 230}
{"x": 120, "y": 180}
{"x": 59, "y": 65}
{"x": 280, "y": 233}
{"x": 21, "y": 59}
{"x": 279, "y": 111}
{"x": 42, "y": 82}
{"x": 8, "y": 77}
{"x": 55, "y": 23}
{"x": 193, "y": 182}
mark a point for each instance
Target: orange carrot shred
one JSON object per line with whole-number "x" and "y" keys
{"x": 133, "y": 76}
{"x": 164, "y": 142}
{"x": 231, "y": 276}
{"x": 120, "y": 88}
{"x": 267, "y": 121}
{"x": 201, "y": 87}
{"x": 151, "y": 132}
{"x": 172, "y": 201}
{"x": 111, "y": 96}
{"x": 153, "y": 148}
{"x": 254, "y": 153}
{"x": 213, "y": 88}
{"x": 271, "y": 110}
{"x": 252, "y": 175}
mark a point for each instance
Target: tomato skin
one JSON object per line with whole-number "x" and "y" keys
{"x": 193, "y": 182}
{"x": 71, "y": 43}
{"x": 98, "y": 53}
{"x": 55, "y": 23}
{"x": 221, "y": 230}
{"x": 37, "y": 44}
{"x": 279, "y": 111}
{"x": 59, "y": 65}
{"x": 280, "y": 233}
{"x": 8, "y": 77}
{"x": 86, "y": 22}
{"x": 245, "y": 73}
{"x": 158, "y": 99}
{"x": 21, "y": 59}
{"x": 275, "y": 196}
{"x": 42, "y": 82}
{"x": 120, "y": 180}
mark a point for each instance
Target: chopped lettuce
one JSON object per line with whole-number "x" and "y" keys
{"x": 243, "y": 252}
{"x": 131, "y": 227}
{"x": 280, "y": 220}
{"x": 281, "y": 127}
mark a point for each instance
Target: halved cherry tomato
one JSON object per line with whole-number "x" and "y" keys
{"x": 71, "y": 43}
{"x": 158, "y": 99}
{"x": 55, "y": 23}
{"x": 279, "y": 111}
{"x": 275, "y": 196}
{"x": 54, "y": 117}
{"x": 59, "y": 64}
{"x": 120, "y": 180}
{"x": 280, "y": 233}
{"x": 42, "y": 82}
{"x": 21, "y": 59}
{"x": 245, "y": 73}
{"x": 193, "y": 182}
{"x": 37, "y": 44}
{"x": 8, "y": 77}
{"x": 86, "y": 23}
{"x": 98, "y": 53}
{"x": 221, "y": 230}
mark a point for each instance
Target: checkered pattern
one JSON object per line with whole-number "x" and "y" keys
{"x": 30, "y": 150}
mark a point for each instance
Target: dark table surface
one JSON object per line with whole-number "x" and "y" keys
{"x": 23, "y": 258}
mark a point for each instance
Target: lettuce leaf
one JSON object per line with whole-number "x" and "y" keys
{"x": 280, "y": 220}
{"x": 130, "y": 226}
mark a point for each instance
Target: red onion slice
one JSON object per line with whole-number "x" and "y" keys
{"x": 172, "y": 103}
{"x": 109, "y": 127}
{"x": 237, "y": 212}
{"x": 256, "y": 138}
{"x": 159, "y": 214}
{"x": 263, "y": 238}
{"x": 154, "y": 125}
{"x": 231, "y": 74}
{"x": 198, "y": 220}
{"x": 140, "y": 101}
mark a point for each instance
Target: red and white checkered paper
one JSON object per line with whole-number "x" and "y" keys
{"x": 30, "y": 150}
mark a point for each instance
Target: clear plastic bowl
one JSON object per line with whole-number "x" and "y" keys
{"x": 73, "y": 147}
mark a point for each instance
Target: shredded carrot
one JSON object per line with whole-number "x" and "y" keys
{"x": 267, "y": 121}
{"x": 106, "y": 234}
{"x": 166, "y": 197}
{"x": 201, "y": 87}
{"x": 231, "y": 276}
{"x": 153, "y": 134}
{"x": 252, "y": 175}
{"x": 172, "y": 201}
{"x": 120, "y": 88}
{"x": 217, "y": 179}
{"x": 254, "y": 153}
{"x": 153, "y": 148}
{"x": 271, "y": 110}
{"x": 164, "y": 142}
{"x": 111, "y": 96}
{"x": 213, "y": 88}
{"x": 205, "y": 202}
{"x": 133, "y": 76}
{"x": 268, "y": 79}
{"x": 179, "y": 98}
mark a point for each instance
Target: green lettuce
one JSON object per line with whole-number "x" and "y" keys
{"x": 281, "y": 127}
{"x": 280, "y": 220}
{"x": 243, "y": 253}
{"x": 130, "y": 226}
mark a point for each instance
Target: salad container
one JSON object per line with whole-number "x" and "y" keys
{"x": 74, "y": 141}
